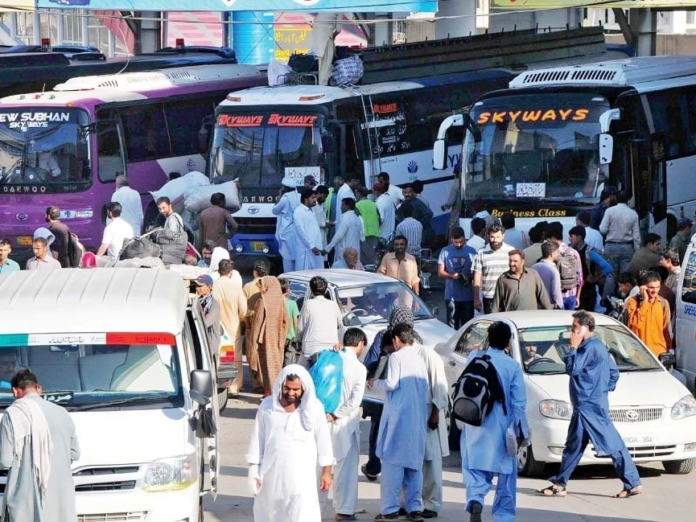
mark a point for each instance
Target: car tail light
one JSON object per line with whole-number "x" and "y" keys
{"x": 227, "y": 357}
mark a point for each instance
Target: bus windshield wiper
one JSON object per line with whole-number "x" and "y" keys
{"x": 120, "y": 402}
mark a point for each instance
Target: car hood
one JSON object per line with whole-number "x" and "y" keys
{"x": 432, "y": 331}
{"x": 656, "y": 387}
{"x": 130, "y": 436}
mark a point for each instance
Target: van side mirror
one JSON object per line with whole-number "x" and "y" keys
{"x": 606, "y": 148}
{"x": 201, "y": 386}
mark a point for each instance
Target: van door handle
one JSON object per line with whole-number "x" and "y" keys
{"x": 452, "y": 363}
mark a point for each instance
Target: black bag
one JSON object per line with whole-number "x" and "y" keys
{"x": 139, "y": 247}
{"x": 476, "y": 392}
{"x": 303, "y": 63}
{"x": 75, "y": 250}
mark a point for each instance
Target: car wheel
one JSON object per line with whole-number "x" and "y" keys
{"x": 679, "y": 467}
{"x": 222, "y": 399}
{"x": 527, "y": 465}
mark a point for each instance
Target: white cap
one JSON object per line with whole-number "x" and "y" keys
{"x": 289, "y": 182}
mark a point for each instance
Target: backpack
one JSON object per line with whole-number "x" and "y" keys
{"x": 476, "y": 392}
{"x": 567, "y": 270}
{"x": 75, "y": 250}
{"x": 594, "y": 271}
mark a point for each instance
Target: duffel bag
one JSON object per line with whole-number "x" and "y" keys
{"x": 139, "y": 247}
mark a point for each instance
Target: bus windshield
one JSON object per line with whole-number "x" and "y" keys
{"x": 261, "y": 148}
{"x": 536, "y": 148}
{"x": 44, "y": 150}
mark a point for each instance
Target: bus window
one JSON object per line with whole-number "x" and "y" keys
{"x": 184, "y": 121}
{"x": 146, "y": 133}
{"x": 354, "y": 164}
{"x": 670, "y": 116}
{"x": 109, "y": 152}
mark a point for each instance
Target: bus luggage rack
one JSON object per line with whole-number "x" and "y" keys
{"x": 295, "y": 78}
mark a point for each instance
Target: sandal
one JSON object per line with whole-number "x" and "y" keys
{"x": 627, "y": 493}
{"x": 553, "y": 491}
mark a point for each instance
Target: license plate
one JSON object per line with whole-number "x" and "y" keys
{"x": 257, "y": 246}
{"x": 639, "y": 440}
{"x": 25, "y": 240}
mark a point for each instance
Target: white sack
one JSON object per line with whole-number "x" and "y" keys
{"x": 199, "y": 199}
{"x": 177, "y": 189}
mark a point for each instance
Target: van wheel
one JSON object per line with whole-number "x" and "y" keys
{"x": 222, "y": 399}
{"x": 679, "y": 467}
{"x": 527, "y": 465}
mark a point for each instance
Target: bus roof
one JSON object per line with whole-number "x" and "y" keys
{"x": 309, "y": 94}
{"x": 132, "y": 86}
{"x": 96, "y": 300}
{"x": 642, "y": 73}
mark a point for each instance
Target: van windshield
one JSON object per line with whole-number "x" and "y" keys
{"x": 84, "y": 376}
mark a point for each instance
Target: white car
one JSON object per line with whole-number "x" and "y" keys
{"x": 653, "y": 412}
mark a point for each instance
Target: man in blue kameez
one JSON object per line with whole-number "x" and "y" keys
{"x": 401, "y": 439}
{"x": 485, "y": 449}
{"x": 593, "y": 374}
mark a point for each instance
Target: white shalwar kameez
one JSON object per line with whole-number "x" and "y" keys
{"x": 285, "y": 228}
{"x": 308, "y": 236}
{"x": 288, "y": 447}
{"x": 345, "y": 434}
{"x": 436, "y": 443}
{"x": 401, "y": 440}
{"x": 349, "y": 234}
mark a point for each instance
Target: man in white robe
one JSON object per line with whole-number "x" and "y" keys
{"x": 488, "y": 450}
{"x": 344, "y": 191}
{"x": 350, "y": 232}
{"x": 436, "y": 443}
{"x": 308, "y": 234}
{"x": 38, "y": 445}
{"x": 285, "y": 227}
{"x": 401, "y": 440}
{"x": 345, "y": 425}
{"x": 291, "y": 438}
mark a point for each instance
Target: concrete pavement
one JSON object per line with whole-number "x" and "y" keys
{"x": 666, "y": 497}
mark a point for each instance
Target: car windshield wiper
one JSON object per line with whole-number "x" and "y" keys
{"x": 639, "y": 369}
{"x": 120, "y": 402}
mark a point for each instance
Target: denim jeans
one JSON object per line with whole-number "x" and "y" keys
{"x": 459, "y": 313}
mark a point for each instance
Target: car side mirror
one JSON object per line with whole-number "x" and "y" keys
{"x": 201, "y": 386}
{"x": 436, "y": 310}
{"x": 667, "y": 359}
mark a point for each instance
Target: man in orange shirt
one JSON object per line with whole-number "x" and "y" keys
{"x": 400, "y": 265}
{"x": 648, "y": 314}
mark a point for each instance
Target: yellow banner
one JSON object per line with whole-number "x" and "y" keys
{"x": 17, "y": 5}
{"x": 603, "y": 4}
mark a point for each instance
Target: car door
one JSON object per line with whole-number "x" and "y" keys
{"x": 475, "y": 337}
{"x": 204, "y": 361}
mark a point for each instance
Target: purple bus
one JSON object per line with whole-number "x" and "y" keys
{"x": 65, "y": 147}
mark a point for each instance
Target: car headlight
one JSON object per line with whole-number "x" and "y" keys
{"x": 171, "y": 474}
{"x": 556, "y": 409}
{"x": 686, "y": 407}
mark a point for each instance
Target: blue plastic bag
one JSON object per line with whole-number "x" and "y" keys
{"x": 327, "y": 374}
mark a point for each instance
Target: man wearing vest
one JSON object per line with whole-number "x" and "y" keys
{"x": 571, "y": 286}
{"x": 594, "y": 267}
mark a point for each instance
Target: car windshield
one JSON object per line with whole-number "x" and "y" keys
{"x": 92, "y": 376}
{"x": 543, "y": 349}
{"x": 374, "y": 303}
{"x": 44, "y": 151}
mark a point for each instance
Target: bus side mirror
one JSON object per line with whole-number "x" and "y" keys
{"x": 440, "y": 154}
{"x": 606, "y": 148}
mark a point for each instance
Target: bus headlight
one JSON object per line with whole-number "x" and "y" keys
{"x": 686, "y": 407}
{"x": 266, "y": 249}
{"x": 171, "y": 474}
{"x": 238, "y": 248}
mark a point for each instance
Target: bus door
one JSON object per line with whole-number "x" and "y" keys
{"x": 111, "y": 161}
{"x": 352, "y": 151}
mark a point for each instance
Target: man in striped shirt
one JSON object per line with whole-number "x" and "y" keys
{"x": 489, "y": 264}
{"x": 411, "y": 229}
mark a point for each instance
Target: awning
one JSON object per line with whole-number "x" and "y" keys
{"x": 601, "y": 4}
{"x": 17, "y": 5}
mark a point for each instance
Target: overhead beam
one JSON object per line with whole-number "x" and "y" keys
{"x": 622, "y": 20}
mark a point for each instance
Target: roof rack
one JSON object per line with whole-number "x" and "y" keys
{"x": 513, "y": 50}
{"x": 224, "y": 52}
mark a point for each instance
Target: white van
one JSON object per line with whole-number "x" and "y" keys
{"x": 686, "y": 317}
{"x": 125, "y": 354}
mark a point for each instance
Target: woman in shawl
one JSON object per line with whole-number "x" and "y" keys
{"x": 269, "y": 329}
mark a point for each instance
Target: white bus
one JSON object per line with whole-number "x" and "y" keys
{"x": 546, "y": 147}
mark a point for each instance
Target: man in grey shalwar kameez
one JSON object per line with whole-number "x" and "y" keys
{"x": 38, "y": 444}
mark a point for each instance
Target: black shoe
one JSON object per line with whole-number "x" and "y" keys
{"x": 403, "y": 512}
{"x": 341, "y": 516}
{"x": 369, "y": 477}
{"x": 476, "y": 509}
{"x": 429, "y": 513}
{"x": 390, "y": 516}
{"x": 415, "y": 516}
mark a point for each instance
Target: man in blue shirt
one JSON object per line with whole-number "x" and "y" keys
{"x": 6, "y": 264}
{"x": 454, "y": 266}
{"x": 593, "y": 374}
